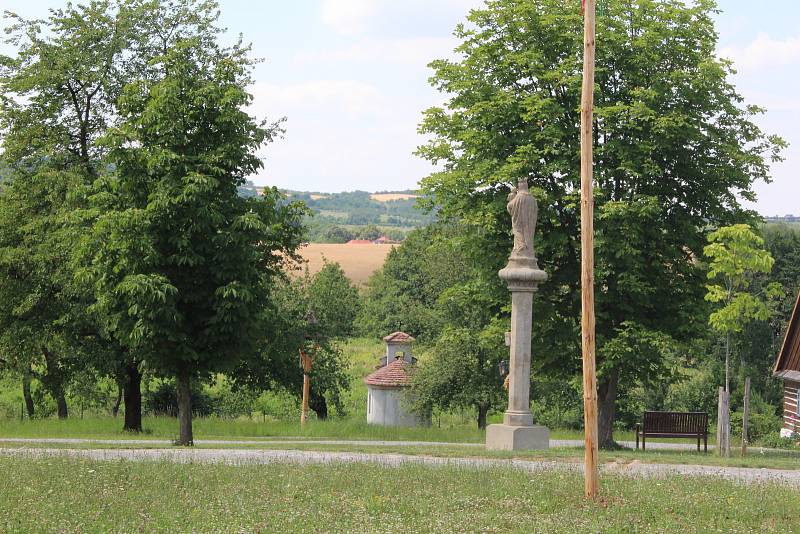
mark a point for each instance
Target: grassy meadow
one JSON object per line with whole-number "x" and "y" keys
{"x": 75, "y": 495}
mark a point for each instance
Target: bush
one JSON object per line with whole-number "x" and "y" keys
{"x": 163, "y": 400}
{"x": 760, "y": 425}
{"x": 280, "y": 405}
{"x": 775, "y": 441}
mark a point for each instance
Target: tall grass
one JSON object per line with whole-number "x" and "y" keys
{"x": 71, "y": 495}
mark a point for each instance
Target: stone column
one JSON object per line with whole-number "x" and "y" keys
{"x": 522, "y": 274}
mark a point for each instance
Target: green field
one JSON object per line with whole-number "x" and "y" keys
{"x": 61, "y": 495}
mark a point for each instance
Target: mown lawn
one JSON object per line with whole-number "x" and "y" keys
{"x": 67, "y": 495}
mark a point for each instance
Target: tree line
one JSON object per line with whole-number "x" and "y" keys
{"x": 124, "y": 245}
{"x": 676, "y": 152}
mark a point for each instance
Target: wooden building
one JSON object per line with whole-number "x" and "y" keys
{"x": 787, "y": 367}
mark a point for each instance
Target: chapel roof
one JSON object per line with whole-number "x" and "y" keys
{"x": 396, "y": 374}
{"x": 398, "y": 337}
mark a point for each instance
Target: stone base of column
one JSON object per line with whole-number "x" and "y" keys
{"x": 517, "y": 438}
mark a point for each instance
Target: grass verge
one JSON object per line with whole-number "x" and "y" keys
{"x": 70, "y": 495}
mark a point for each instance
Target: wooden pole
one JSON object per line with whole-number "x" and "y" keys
{"x": 745, "y": 415}
{"x": 306, "y": 360}
{"x": 592, "y": 486}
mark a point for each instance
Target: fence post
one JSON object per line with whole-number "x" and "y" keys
{"x": 745, "y": 415}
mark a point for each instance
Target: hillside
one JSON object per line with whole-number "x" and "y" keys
{"x": 340, "y": 217}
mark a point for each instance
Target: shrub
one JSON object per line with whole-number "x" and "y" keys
{"x": 163, "y": 400}
{"x": 760, "y": 425}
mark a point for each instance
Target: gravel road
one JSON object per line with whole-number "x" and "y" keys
{"x": 254, "y": 456}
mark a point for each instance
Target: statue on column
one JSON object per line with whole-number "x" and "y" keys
{"x": 523, "y": 210}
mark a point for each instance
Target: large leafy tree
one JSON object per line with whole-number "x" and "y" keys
{"x": 60, "y": 94}
{"x": 57, "y": 94}
{"x": 183, "y": 264}
{"x": 676, "y": 148}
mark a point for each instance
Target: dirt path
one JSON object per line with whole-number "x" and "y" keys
{"x": 258, "y": 457}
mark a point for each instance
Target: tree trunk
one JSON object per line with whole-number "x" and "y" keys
{"x": 318, "y": 403}
{"x": 26, "y": 392}
{"x": 53, "y": 380}
{"x": 483, "y": 409}
{"x": 61, "y": 404}
{"x": 133, "y": 398}
{"x": 118, "y": 402}
{"x": 185, "y": 436}
{"x": 607, "y": 409}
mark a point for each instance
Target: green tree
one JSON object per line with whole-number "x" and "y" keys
{"x": 303, "y": 323}
{"x": 334, "y": 300}
{"x": 337, "y": 234}
{"x": 735, "y": 255}
{"x": 60, "y": 93}
{"x": 675, "y": 148}
{"x": 41, "y": 313}
{"x": 183, "y": 264}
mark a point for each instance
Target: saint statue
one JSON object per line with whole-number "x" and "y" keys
{"x": 524, "y": 210}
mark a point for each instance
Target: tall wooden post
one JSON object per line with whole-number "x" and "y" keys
{"x": 306, "y": 360}
{"x": 745, "y": 415}
{"x": 592, "y": 486}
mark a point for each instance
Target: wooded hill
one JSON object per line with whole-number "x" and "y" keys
{"x": 339, "y": 217}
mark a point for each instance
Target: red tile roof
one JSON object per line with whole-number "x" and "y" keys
{"x": 398, "y": 337}
{"x": 396, "y": 374}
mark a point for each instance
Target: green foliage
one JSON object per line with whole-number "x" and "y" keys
{"x": 664, "y": 115}
{"x": 334, "y": 301}
{"x": 735, "y": 254}
{"x": 181, "y": 264}
{"x": 405, "y": 294}
{"x": 162, "y": 400}
{"x": 275, "y": 365}
{"x": 460, "y": 372}
{"x": 759, "y": 425}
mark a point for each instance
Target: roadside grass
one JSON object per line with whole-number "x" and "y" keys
{"x": 215, "y": 428}
{"x": 75, "y": 495}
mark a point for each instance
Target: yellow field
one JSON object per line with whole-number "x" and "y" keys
{"x": 387, "y": 197}
{"x": 358, "y": 261}
{"x": 317, "y": 197}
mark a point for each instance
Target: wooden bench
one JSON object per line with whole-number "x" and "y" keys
{"x": 673, "y": 425}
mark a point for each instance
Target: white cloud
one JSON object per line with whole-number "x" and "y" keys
{"x": 764, "y": 52}
{"x": 349, "y": 95}
{"x": 415, "y": 51}
{"x": 351, "y": 17}
{"x": 348, "y": 16}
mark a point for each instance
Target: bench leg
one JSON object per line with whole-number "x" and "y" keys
{"x": 644, "y": 441}
{"x": 637, "y": 440}
{"x": 698, "y": 443}
{"x": 705, "y": 443}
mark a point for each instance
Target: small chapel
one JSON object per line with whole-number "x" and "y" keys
{"x": 388, "y": 383}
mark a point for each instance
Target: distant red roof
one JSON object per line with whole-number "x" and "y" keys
{"x": 396, "y": 374}
{"x": 398, "y": 337}
{"x": 359, "y": 242}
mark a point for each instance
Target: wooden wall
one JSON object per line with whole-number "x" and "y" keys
{"x": 791, "y": 419}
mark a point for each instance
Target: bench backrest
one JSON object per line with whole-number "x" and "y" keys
{"x": 675, "y": 422}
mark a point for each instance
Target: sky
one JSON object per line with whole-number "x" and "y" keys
{"x": 351, "y": 78}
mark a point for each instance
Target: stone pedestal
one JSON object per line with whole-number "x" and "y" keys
{"x": 517, "y": 438}
{"x": 518, "y": 431}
